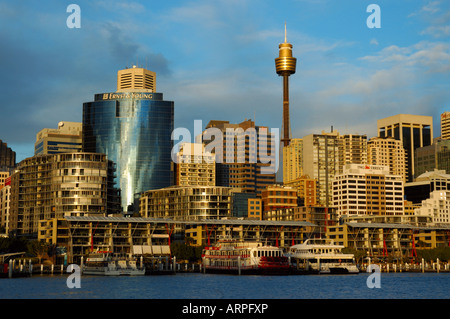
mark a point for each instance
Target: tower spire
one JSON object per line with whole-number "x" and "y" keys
{"x": 285, "y": 33}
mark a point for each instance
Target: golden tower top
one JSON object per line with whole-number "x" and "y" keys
{"x": 285, "y": 63}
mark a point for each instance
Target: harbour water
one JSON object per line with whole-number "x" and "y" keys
{"x": 205, "y": 286}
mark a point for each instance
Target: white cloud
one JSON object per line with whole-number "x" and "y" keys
{"x": 431, "y": 56}
{"x": 437, "y": 31}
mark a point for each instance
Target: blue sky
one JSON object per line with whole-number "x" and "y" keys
{"x": 215, "y": 60}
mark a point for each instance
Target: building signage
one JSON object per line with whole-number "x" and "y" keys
{"x": 127, "y": 95}
{"x": 373, "y": 167}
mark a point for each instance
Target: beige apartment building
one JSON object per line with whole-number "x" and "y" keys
{"x": 387, "y": 151}
{"x": 353, "y": 149}
{"x": 368, "y": 190}
{"x": 194, "y": 166}
{"x": 187, "y": 202}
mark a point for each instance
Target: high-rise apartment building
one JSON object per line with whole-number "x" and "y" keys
{"x": 293, "y": 160}
{"x": 67, "y": 138}
{"x": 413, "y": 131}
{"x": 133, "y": 127}
{"x": 238, "y": 162}
{"x": 445, "y": 125}
{"x": 353, "y": 149}
{"x": 325, "y": 155}
{"x": 367, "y": 190}
{"x": 194, "y": 167}
{"x": 7, "y": 157}
{"x": 387, "y": 151}
{"x": 321, "y": 162}
{"x": 53, "y": 186}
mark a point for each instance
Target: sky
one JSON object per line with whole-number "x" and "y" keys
{"x": 216, "y": 60}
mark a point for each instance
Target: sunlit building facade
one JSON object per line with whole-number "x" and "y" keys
{"x": 187, "y": 202}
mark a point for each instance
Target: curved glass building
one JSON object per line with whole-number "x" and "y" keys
{"x": 133, "y": 127}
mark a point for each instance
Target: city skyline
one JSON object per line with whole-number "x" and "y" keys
{"x": 214, "y": 58}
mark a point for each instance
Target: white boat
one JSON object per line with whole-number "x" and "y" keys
{"x": 322, "y": 256}
{"x": 105, "y": 263}
{"x": 236, "y": 257}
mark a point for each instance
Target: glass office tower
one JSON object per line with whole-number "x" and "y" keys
{"x": 133, "y": 128}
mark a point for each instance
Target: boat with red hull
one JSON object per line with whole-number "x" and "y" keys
{"x": 247, "y": 258}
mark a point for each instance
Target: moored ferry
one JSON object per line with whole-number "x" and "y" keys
{"x": 241, "y": 257}
{"x": 105, "y": 263}
{"x": 323, "y": 257}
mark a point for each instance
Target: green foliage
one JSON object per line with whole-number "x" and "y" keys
{"x": 443, "y": 253}
{"x": 359, "y": 254}
{"x": 37, "y": 248}
{"x": 186, "y": 252}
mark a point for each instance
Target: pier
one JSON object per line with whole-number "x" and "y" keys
{"x": 422, "y": 266}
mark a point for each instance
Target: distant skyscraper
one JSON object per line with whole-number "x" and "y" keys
{"x": 242, "y": 168}
{"x": 285, "y": 66}
{"x": 326, "y": 154}
{"x": 7, "y": 157}
{"x": 67, "y": 138}
{"x": 133, "y": 127}
{"x": 413, "y": 130}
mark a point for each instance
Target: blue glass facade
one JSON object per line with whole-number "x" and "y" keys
{"x": 134, "y": 130}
